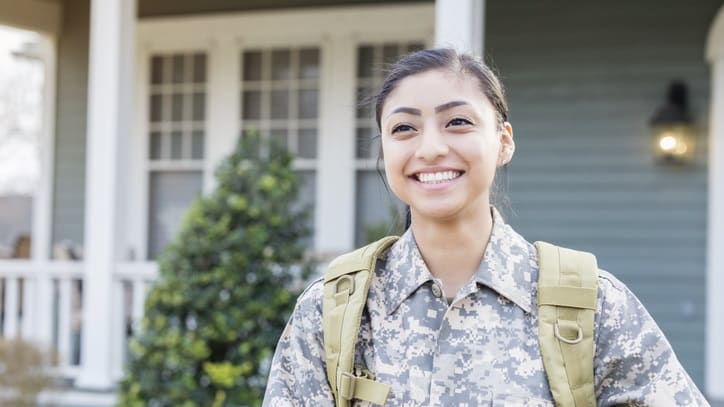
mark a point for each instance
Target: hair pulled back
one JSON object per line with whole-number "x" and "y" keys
{"x": 444, "y": 58}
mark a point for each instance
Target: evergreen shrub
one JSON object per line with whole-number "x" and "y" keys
{"x": 223, "y": 296}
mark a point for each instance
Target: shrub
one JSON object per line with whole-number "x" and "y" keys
{"x": 214, "y": 316}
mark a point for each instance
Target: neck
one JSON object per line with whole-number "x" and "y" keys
{"x": 453, "y": 249}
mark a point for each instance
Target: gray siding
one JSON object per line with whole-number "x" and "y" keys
{"x": 72, "y": 78}
{"x": 583, "y": 79}
{"x": 158, "y": 8}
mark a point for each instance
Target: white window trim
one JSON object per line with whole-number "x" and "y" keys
{"x": 715, "y": 256}
{"x": 336, "y": 31}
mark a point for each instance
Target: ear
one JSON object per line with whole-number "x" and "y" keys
{"x": 507, "y": 145}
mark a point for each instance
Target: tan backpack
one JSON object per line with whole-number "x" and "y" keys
{"x": 567, "y": 291}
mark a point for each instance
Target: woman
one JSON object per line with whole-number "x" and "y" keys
{"x": 451, "y": 315}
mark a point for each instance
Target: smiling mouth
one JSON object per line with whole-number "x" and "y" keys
{"x": 437, "y": 177}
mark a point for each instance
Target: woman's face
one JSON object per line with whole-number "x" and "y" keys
{"x": 441, "y": 145}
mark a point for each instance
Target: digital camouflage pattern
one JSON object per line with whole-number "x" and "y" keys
{"x": 482, "y": 349}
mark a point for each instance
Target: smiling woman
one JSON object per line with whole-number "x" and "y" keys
{"x": 457, "y": 308}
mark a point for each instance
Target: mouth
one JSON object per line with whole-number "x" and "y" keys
{"x": 437, "y": 177}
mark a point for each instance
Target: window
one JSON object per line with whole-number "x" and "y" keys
{"x": 376, "y": 207}
{"x": 280, "y": 101}
{"x": 177, "y": 115}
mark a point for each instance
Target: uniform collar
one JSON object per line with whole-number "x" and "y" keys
{"x": 505, "y": 268}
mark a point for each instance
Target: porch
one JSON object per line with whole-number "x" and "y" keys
{"x": 42, "y": 303}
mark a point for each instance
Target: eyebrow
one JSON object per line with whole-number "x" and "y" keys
{"x": 438, "y": 109}
{"x": 450, "y": 105}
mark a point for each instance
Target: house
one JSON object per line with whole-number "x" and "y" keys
{"x": 143, "y": 99}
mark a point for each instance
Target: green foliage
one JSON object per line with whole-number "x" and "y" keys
{"x": 213, "y": 318}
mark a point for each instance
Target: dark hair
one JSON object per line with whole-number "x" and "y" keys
{"x": 447, "y": 59}
{"x": 444, "y": 58}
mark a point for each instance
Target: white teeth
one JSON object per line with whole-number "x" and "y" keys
{"x": 437, "y": 177}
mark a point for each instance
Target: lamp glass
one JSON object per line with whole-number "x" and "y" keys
{"x": 674, "y": 143}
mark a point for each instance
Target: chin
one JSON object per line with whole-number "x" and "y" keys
{"x": 441, "y": 214}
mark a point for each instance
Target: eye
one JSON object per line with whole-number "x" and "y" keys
{"x": 458, "y": 121}
{"x": 402, "y": 128}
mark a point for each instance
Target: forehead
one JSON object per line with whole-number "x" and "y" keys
{"x": 435, "y": 87}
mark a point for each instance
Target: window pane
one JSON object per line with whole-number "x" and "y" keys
{"x": 177, "y": 107}
{"x": 256, "y": 146}
{"x": 279, "y": 137}
{"x": 251, "y": 105}
{"x": 171, "y": 194}
{"x": 252, "y": 66}
{"x": 16, "y": 216}
{"x": 156, "y": 70}
{"x": 309, "y": 64}
{"x": 365, "y": 60}
{"x": 378, "y": 211}
{"x": 154, "y": 151}
{"x": 364, "y": 106}
{"x": 197, "y": 145}
{"x": 364, "y": 143}
{"x": 199, "y": 106}
{"x": 156, "y": 108}
{"x": 415, "y": 46}
{"x": 281, "y": 65}
{"x": 280, "y": 104}
{"x": 178, "y": 68}
{"x": 199, "y": 68}
{"x": 306, "y": 199}
{"x": 390, "y": 53}
{"x": 307, "y": 143}
{"x": 176, "y": 145}
{"x": 308, "y": 103}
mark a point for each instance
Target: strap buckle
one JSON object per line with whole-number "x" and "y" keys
{"x": 579, "y": 336}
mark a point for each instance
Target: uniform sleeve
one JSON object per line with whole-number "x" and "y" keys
{"x": 298, "y": 375}
{"x": 634, "y": 363}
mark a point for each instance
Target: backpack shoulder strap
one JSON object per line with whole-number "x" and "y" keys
{"x": 567, "y": 297}
{"x": 346, "y": 284}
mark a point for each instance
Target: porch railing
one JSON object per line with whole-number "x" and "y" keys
{"x": 43, "y": 303}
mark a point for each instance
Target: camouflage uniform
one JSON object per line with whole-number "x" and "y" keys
{"x": 482, "y": 349}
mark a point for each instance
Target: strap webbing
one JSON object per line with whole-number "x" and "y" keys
{"x": 346, "y": 284}
{"x": 353, "y": 387}
{"x": 567, "y": 290}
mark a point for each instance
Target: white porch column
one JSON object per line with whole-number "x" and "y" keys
{"x": 42, "y": 322}
{"x": 112, "y": 29}
{"x": 715, "y": 255}
{"x": 334, "y": 209}
{"x": 460, "y": 24}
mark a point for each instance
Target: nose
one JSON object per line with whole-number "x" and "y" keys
{"x": 431, "y": 145}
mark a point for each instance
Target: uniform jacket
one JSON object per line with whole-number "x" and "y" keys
{"x": 480, "y": 349}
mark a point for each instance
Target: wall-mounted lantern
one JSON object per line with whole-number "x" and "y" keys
{"x": 672, "y": 128}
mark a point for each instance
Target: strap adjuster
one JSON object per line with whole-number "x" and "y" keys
{"x": 346, "y": 385}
